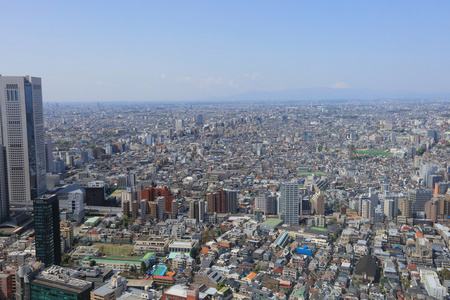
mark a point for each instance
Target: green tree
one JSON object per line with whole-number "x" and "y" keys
{"x": 257, "y": 268}
{"x": 220, "y": 285}
{"x": 143, "y": 268}
{"x": 420, "y": 151}
{"x": 92, "y": 263}
{"x": 193, "y": 253}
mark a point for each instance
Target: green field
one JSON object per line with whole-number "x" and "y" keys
{"x": 309, "y": 173}
{"x": 373, "y": 152}
{"x": 114, "y": 250}
{"x": 319, "y": 229}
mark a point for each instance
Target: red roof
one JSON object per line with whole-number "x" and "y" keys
{"x": 278, "y": 269}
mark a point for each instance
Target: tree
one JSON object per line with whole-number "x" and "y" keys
{"x": 143, "y": 268}
{"x": 420, "y": 151}
{"x": 220, "y": 285}
{"x": 92, "y": 263}
{"x": 193, "y": 253}
{"x": 257, "y": 268}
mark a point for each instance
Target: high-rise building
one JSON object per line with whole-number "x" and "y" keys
{"x": 179, "y": 125}
{"x": 49, "y": 155}
{"x": 47, "y": 230}
{"x": 289, "y": 206}
{"x": 174, "y": 208}
{"x": 232, "y": 201}
{"x": 261, "y": 203}
{"x": 22, "y": 134}
{"x": 433, "y": 134}
{"x": 271, "y": 208}
{"x": 4, "y": 195}
{"x": 318, "y": 204}
{"x": 418, "y": 198}
{"x": 201, "y": 210}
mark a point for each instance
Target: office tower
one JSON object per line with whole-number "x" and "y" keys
{"x": 59, "y": 166}
{"x": 4, "y": 195}
{"x": 143, "y": 208}
{"x": 418, "y": 198}
{"x": 433, "y": 134}
{"x": 405, "y": 207}
{"x": 22, "y": 134}
{"x": 122, "y": 181}
{"x": 261, "y": 203}
{"x": 174, "y": 208}
{"x": 95, "y": 192}
{"x": 49, "y": 155}
{"x": 192, "y": 209}
{"x": 411, "y": 152}
{"x": 318, "y": 204}
{"x": 47, "y": 230}
{"x": 271, "y": 206}
{"x": 201, "y": 210}
{"x": 84, "y": 157}
{"x": 179, "y": 125}
{"x": 441, "y": 187}
{"x": 160, "y": 202}
{"x": 289, "y": 203}
{"x": 232, "y": 201}
{"x": 199, "y": 120}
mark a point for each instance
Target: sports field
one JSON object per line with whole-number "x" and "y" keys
{"x": 373, "y": 152}
{"x": 309, "y": 173}
{"x": 114, "y": 250}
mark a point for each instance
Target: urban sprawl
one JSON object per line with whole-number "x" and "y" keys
{"x": 298, "y": 200}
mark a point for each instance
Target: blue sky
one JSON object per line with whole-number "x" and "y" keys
{"x": 187, "y": 50}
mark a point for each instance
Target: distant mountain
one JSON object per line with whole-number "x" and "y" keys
{"x": 312, "y": 94}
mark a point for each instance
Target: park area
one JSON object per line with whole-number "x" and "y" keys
{"x": 373, "y": 152}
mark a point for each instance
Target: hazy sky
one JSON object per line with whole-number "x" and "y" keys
{"x": 183, "y": 50}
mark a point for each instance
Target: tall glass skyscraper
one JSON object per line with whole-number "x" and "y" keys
{"x": 22, "y": 134}
{"x": 289, "y": 202}
{"x": 47, "y": 230}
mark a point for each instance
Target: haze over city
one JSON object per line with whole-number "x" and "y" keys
{"x": 182, "y": 51}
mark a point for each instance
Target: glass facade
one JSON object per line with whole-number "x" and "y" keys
{"x": 39, "y": 292}
{"x": 31, "y": 139}
{"x": 47, "y": 230}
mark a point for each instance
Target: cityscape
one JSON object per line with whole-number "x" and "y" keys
{"x": 223, "y": 150}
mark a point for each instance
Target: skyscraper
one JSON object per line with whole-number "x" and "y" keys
{"x": 4, "y": 195}
{"x": 22, "y": 134}
{"x": 289, "y": 205}
{"x": 47, "y": 230}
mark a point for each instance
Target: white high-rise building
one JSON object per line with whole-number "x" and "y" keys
{"x": 22, "y": 134}
{"x": 261, "y": 203}
{"x": 179, "y": 125}
{"x": 289, "y": 202}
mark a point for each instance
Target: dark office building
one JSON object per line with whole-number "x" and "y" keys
{"x": 95, "y": 196}
{"x": 47, "y": 230}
